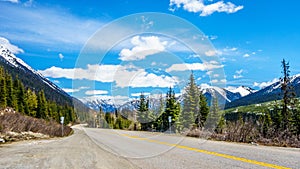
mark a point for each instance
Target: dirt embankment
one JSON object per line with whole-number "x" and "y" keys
{"x": 15, "y": 127}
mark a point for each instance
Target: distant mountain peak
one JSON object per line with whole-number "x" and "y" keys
{"x": 242, "y": 90}
{"x": 8, "y": 58}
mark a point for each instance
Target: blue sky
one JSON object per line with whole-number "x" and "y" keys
{"x": 238, "y": 42}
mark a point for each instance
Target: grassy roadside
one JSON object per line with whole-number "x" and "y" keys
{"x": 17, "y": 127}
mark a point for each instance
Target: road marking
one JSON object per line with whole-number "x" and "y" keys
{"x": 209, "y": 152}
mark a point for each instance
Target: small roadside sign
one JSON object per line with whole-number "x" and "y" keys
{"x": 62, "y": 120}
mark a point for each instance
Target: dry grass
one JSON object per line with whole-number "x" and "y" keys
{"x": 14, "y": 122}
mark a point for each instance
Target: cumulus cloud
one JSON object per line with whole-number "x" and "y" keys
{"x": 198, "y": 6}
{"x": 143, "y": 46}
{"x": 96, "y": 92}
{"x": 145, "y": 79}
{"x": 238, "y": 74}
{"x": 90, "y": 73}
{"x": 262, "y": 85}
{"x": 12, "y": 48}
{"x": 195, "y": 66}
{"x": 123, "y": 76}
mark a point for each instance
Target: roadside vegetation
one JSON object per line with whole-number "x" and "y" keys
{"x": 26, "y": 110}
{"x": 15, "y": 126}
{"x": 272, "y": 123}
{"x": 275, "y": 123}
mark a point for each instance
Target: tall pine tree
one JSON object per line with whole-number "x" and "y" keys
{"x": 172, "y": 109}
{"x": 287, "y": 91}
{"x": 213, "y": 116}
{"x": 190, "y": 103}
{"x": 203, "y": 111}
{"x": 145, "y": 116}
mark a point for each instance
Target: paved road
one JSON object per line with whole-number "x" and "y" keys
{"x": 76, "y": 151}
{"x": 155, "y": 150}
{"x": 104, "y": 148}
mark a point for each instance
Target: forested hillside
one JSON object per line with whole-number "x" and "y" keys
{"x": 23, "y": 99}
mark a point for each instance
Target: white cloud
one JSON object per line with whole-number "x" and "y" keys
{"x": 73, "y": 90}
{"x": 144, "y": 79}
{"x": 56, "y": 81}
{"x": 12, "y": 1}
{"x": 12, "y": 48}
{"x": 234, "y": 49}
{"x": 53, "y": 27}
{"x": 123, "y": 76}
{"x": 223, "y": 80}
{"x": 238, "y": 74}
{"x": 198, "y": 6}
{"x": 194, "y": 66}
{"x": 262, "y": 85}
{"x": 61, "y": 56}
{"x": 210, "y": 53}
{"x": 204, "y": 85}
{"x": 214, "y": 81}
{"x": 28, "y": 3}
{"x": 213, "y": 37}
{"x": 96, "y": 92}
{"x": 91, "y": 73}
{"x": 246, "y": 55}
{"x": 143, "y": 46}
{"x": 68, "y": 90}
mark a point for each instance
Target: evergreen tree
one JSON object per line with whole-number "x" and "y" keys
{"x": 213, "y": 116}
{"x": 145, "y": 116}
{"x": 172, "y": 109}
{"x": 3, "y": 93}
{"x": 9, "y": 91}
{"x": 190, "y": 103}
{"x": 42, "y": 108}
{"x": 203, "y": 111}
{"x": 159, "y": 120}
{"x": 288, "y": 92}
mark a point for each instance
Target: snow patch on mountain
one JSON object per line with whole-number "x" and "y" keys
{"x": 14, "y": 61}
{"x": 242, "y": 90}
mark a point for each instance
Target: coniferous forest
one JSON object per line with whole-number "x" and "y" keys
{"x": 14, "y": 94}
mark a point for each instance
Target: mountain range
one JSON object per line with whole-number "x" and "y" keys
{"x": 227, "y": 97}
{"x": 35, "y": 81}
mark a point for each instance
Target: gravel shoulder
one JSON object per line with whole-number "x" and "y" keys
{"x": 76, "y": 151}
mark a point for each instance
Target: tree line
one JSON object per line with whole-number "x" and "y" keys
{"x": 170, "y": 114}
{"x": 274, "y": 123}
{"x": 167, "y": 113}
{"x": 14, "y": 94}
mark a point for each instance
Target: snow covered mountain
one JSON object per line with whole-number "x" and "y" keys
{"x": 33, "y": 79}
{"x": 225, "y": 95}
{"x": 106, "y": 105}
{"x": 10, "y": 59}
{"x": 269, "y": 93}
{"x": 242, "y": 90}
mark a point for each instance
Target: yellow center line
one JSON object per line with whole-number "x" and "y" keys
{"x": 209, "y": 152}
